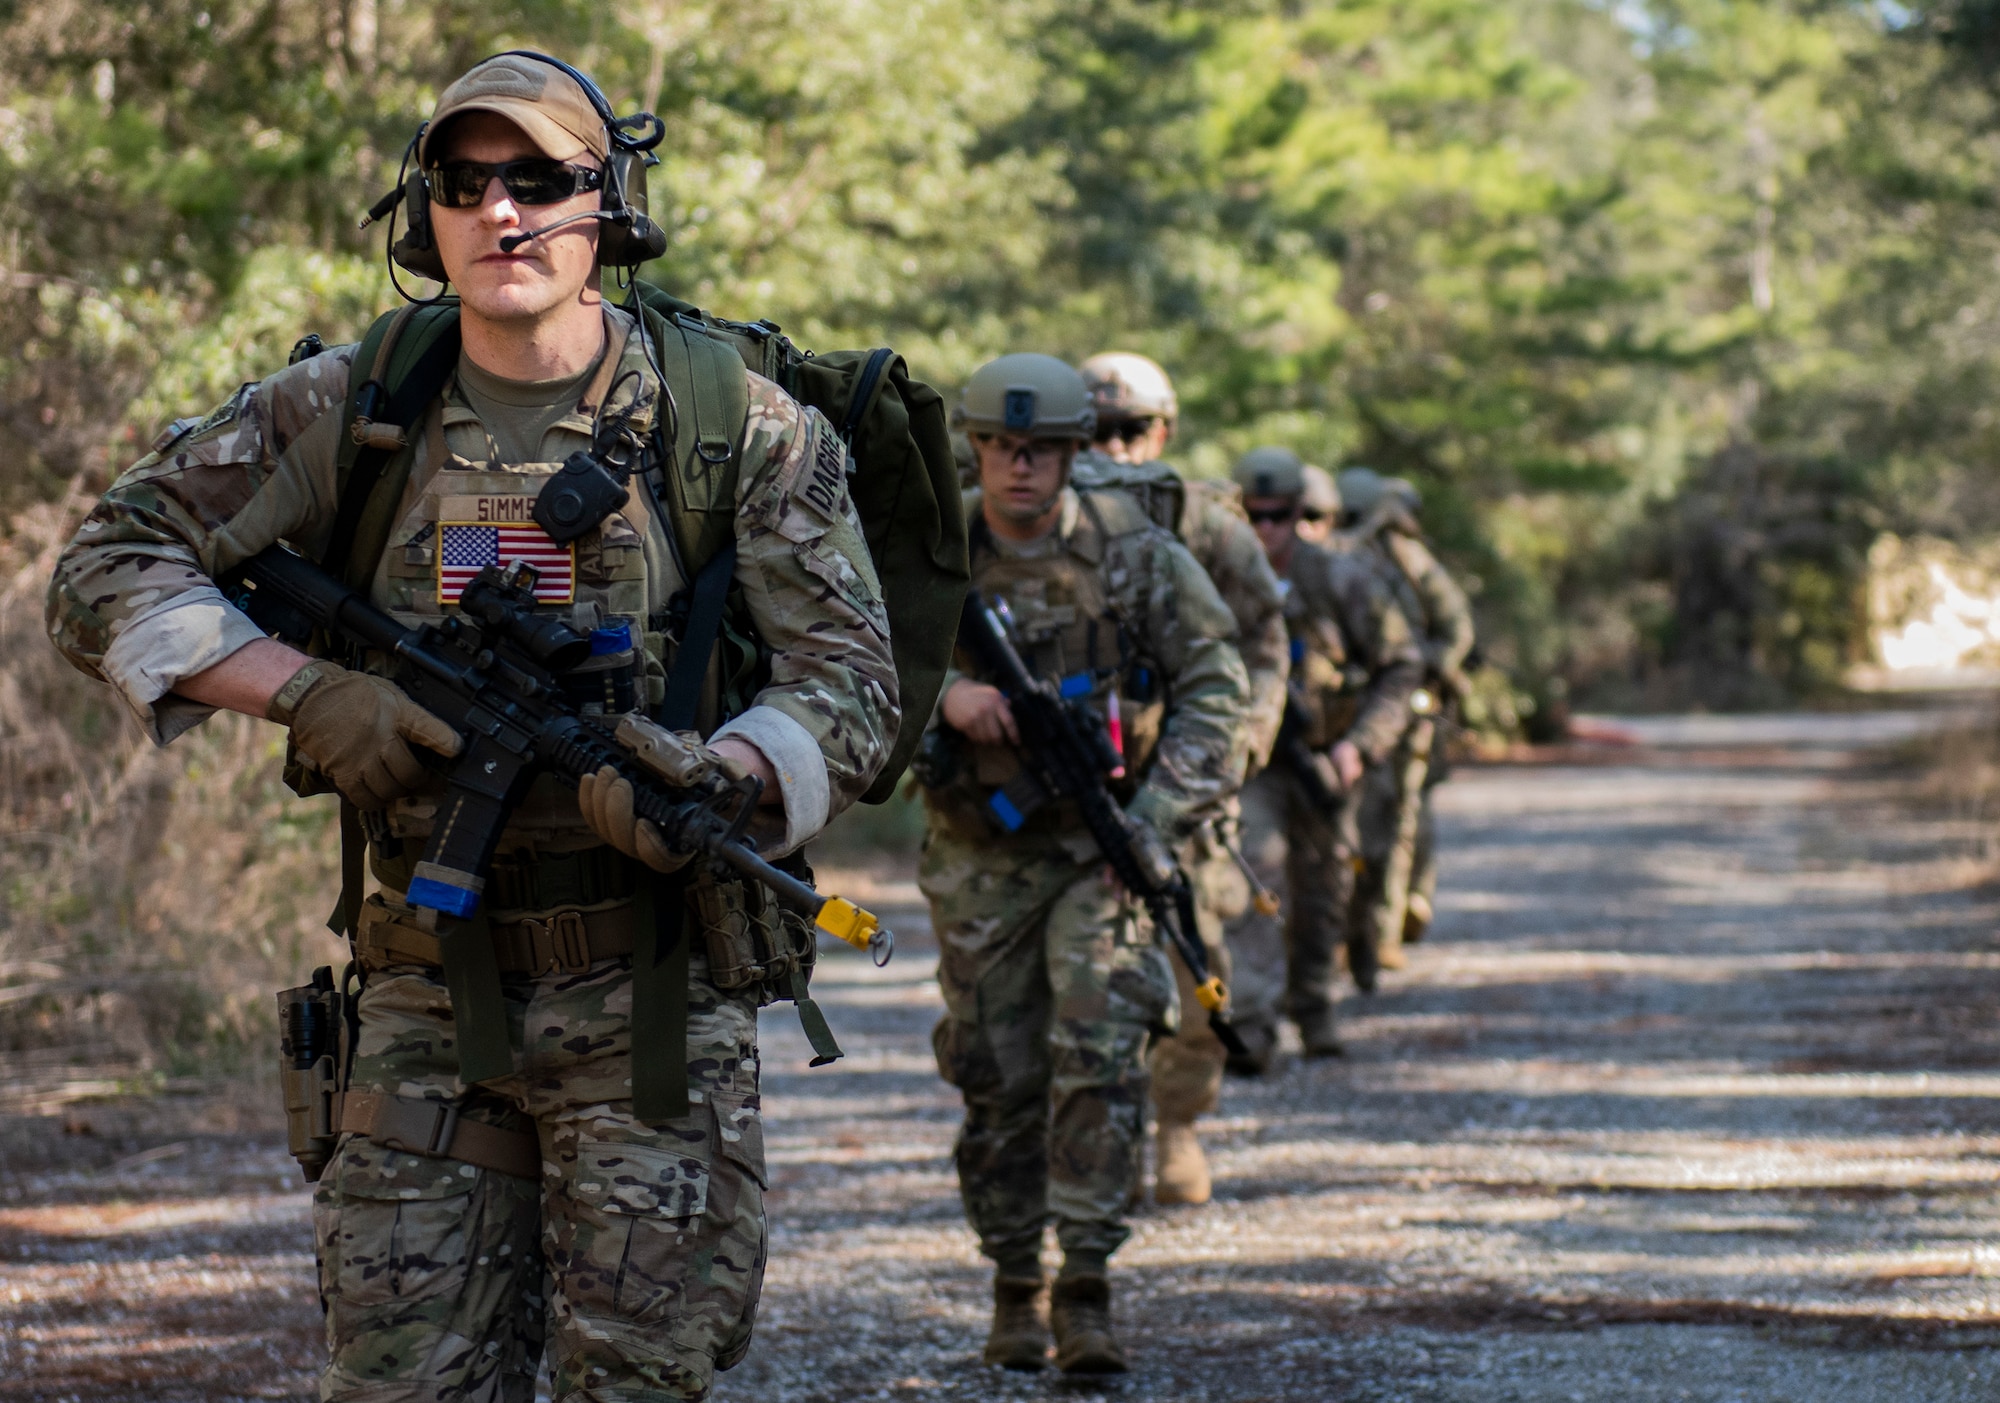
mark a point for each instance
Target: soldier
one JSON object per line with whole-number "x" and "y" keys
{"x": 541, "y": 1195}
{"x": 1053, "y": 981}
{"x": 1355, "y": 664}
{"x": 1136, "y": 415}
{"x": 1319, "y": 507}
{"x": 1398, "y": 826}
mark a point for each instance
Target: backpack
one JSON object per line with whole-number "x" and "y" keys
{"x": 904, "y": 480}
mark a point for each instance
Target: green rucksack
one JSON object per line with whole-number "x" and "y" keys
{"x": 904, "y": 480}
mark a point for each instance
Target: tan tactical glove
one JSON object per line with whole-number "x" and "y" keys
{"x": 679, "y": 758}
{"x": 357, "y": 729}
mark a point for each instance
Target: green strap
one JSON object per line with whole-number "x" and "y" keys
{"x": 711, "y": 419}
{"x": 346, "y": 917}
{"x": 817, "y": 1030}
{"x": 660, "y": 1002}
{"x": 479, "y": 1014}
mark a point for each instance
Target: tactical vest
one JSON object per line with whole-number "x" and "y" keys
{"x": 1071, "y": 632}
{"x": 417, "y": 520}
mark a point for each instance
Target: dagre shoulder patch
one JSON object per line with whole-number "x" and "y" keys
{"x": 825, "y": 482}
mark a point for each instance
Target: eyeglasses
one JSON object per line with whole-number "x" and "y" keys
{"x": 1272, "y": 516}
{"x": 1012, "y": 446}
{"x": 535, "y": 181}
{"x": 1123, "y": 430}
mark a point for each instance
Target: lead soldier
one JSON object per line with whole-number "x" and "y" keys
{"x": 546, "y": 1197}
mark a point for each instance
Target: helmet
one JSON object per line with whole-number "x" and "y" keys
{"x": 1026, "y": 393}
{"x": 1320, "y": 497}
{"x": 1124, "y": 385}
{"x": 1270, "y": 472}
{"x": 1405, "y": 491}
{"x": 1362, "y": 490}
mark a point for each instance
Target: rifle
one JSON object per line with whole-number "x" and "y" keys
{"x": 1066, "y": 755}
{"x": 490, "y": 673}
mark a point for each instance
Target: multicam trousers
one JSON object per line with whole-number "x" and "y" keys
{"x": 640, "y": 1249}
{"x": 1053, "y": 985}
{"x": 1395, "y": 828}
{"x": 1307, "y": 859}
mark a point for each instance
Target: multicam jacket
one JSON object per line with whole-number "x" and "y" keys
{"x": 1112, "y": 601}
{"x": 1355, "y": 656}
{"x": 1423, "y": 587}
{"x": 133, "y": 600}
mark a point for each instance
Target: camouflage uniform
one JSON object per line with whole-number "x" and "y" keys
{"x": 651, "y": 1236}
{"x": 1355, "y": 662}
{"x": 1053, "y": 980}
{"x": 1208, "y": 516}
{"x": 1397, "y": 825}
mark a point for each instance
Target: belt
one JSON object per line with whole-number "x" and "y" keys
{"x": 420, "y": 1127}
{"x": 567, "y": 942}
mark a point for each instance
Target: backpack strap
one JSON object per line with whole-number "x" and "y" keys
{"x": 409, "y": 354}
{"x": 707, "y": 424}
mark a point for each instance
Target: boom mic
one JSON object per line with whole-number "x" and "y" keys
{"x": 514, "y": 241}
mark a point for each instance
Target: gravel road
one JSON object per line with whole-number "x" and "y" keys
{"x": 1691, "y": 1094}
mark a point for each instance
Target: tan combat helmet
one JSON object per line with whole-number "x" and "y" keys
{"x": 1125, "y": 386}
{"x": 1319, "y": 505}
{"x": 1271, "y": 472}
{"x": 1033, "y": 395}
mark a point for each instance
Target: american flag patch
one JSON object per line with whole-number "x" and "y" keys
{"x": 465, "y": 548}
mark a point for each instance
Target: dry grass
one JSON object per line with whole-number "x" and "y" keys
{"x": 150, "y": 900}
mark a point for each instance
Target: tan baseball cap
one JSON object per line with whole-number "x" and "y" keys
{"x": 539, "y": 98}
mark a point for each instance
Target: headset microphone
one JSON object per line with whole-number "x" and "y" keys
{"x": 514, "y": 241}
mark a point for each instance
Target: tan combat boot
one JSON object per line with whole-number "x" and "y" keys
{"x": 1417, "y": 919}
{"x": 1019, "y": 1338}
{"x": 1082, "y": 1319}
{"x": 1182, "y": 1173}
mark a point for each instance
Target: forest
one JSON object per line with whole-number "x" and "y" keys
{"x": 1669, "y": 308}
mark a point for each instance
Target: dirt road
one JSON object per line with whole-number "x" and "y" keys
{"x": 1693, "y": 1093}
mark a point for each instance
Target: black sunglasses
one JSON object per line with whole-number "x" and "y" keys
{"x": 535, "y": 181}
{"x": 1122, "y": 430}
{"x": 1271, "y": 517}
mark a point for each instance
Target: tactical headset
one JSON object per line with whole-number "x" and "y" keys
{"x": 626, "y": 237}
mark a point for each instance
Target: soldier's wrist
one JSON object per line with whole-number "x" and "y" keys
{"x": 285, "y": 702}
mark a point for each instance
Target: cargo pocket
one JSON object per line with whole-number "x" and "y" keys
{"x": 622, "y": 1248}
{"x": 721, "y": 1310}
{"x": 393, "y": 1227}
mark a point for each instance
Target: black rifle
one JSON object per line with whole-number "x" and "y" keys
{"x": 490, "y": 673}
{"x": 1311, "y": 768}
{"x": 1066, "y": 755}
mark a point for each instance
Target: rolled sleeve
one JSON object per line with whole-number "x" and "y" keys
{"x": 801, "y": 768}
{"x": 151, "y": 655}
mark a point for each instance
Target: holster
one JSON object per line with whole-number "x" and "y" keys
{"x": 312, "y": 1055}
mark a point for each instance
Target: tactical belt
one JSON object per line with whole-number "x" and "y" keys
{"x": 586, "y": 877}
{"x": 566, "y": 942}
{"x": 420, "y": 1127}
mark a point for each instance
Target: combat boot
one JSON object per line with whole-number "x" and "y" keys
{"x": 1019, "y": 1338}
{"x": 1082, "y": 1319}
{"x": 1417, "y": 919}
{"x": 1317, "y": 1035}
{"x": 1182, "y": 1172}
